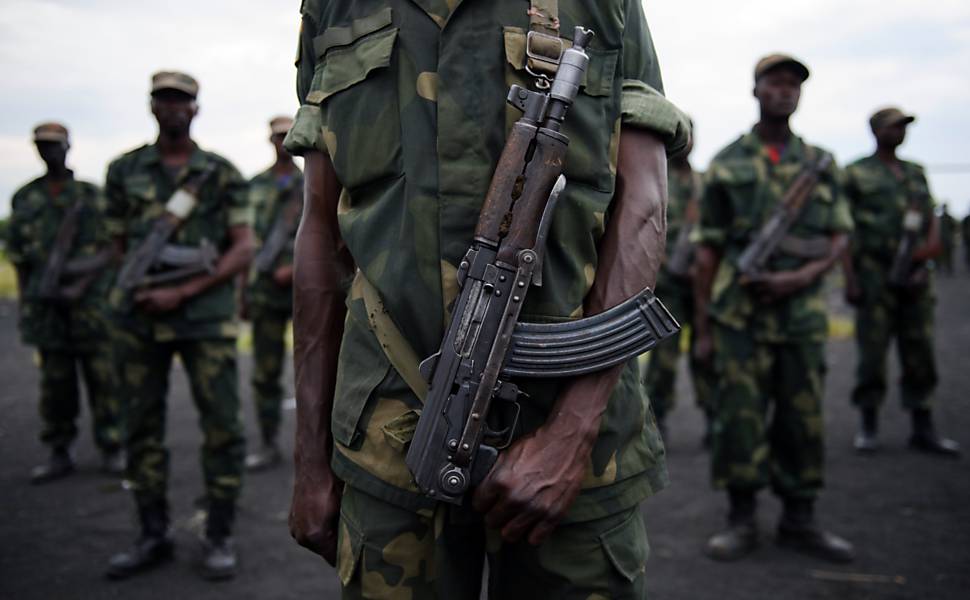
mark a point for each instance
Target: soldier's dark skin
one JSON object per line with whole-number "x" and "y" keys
{"x": 778, "y": 93}
{"x": 174, "y": 111}
{"x": 536, "y": 479}
{"x": 888, "y": 139}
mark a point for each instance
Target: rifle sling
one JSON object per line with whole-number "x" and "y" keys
{"x": 544, "y": 47}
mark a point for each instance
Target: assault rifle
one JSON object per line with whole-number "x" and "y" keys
{"x": 50, "y": 279}
{"x": 773, "y": 234}
{"x": 460, "y": 432}
{"x": 904, "y": 272}
{"x": 139, "y": 262}
{"x": 281, "y": 234}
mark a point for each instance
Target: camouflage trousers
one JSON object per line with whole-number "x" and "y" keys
{"x": 211, "y": 369}
{"x": 392, "y": 553}
{"x": 908, "y": 318}
{"x": 60, "y": 396}
{"x": 661, "y": 372}
{"x": 749, "y": 449}
{"x": 269, "y": 352}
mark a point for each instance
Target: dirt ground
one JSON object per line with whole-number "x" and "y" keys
{"x": 908, "y": 514}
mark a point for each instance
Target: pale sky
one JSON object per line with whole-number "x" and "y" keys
{"x": 87, "y": 63}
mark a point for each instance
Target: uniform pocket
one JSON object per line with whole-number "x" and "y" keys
{"x": 626, "y": 546}
{"x": 591, "y": 122}
{"x": 350, "y": 544}
{"x": 354, "y": 85}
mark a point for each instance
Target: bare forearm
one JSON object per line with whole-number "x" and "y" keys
{"x": 933, "y": 246}
{"x": 630, "y": 255}
{"x": 231, "y": 264}
{"x": 706, "y": 265}
{"x": 321, "y": 265}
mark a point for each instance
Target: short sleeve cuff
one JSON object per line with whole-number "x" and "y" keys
{"x": 306, "y": 134}
{"x": 242, "y": 215}
{"x": 644, "y": 107}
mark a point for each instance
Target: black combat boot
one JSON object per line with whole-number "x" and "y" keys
{"x": 267, "y": 457}
{"x": 153, "y": 548}
{"x": 866, "y": 440}
{"x": 799, "y": 531}
{"x": 741, "y": 536}
{"x": 926, "y": 439}
{"x": 219, "y": 560}
{"x": 59, "y": 465}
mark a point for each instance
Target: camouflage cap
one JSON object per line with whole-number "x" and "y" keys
{"x": 889, "y": 116}
{"x": 280, "y": 125}
{"x": 775, "y": 61}
{"x": 174, "y": 80}
{"x": 50, "y": 132}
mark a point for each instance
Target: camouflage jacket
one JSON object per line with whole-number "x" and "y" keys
{"x": 878, "y": 201}
{"x": 743, "y": 186}
{"x": 409, "y": 102}
{"x": 268, "y": 195}
{"x": 138, "y": 186}
{"x": 682, "y": 187}
{"x": 34, "y": 222}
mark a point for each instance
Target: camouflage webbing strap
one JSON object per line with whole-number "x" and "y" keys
{"x": 543, "y": 47}
{"x": 395, "y": 346}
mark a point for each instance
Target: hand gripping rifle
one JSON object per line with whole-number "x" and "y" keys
{"x": 773, "y": 234}
{"x": 139, "y": 262}
{"x": 904, "y": 273}
{"x": 281, "y": 234}
{"x": 458, "y": 435}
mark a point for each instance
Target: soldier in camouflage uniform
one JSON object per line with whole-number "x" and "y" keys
{"x": 402, "y": 121}
{"x": 276, "y": 196}
{"x": 881, "y": 189}
{"x": 948, "y": 237}
{"x": 69, "y": 333}
{"x": 768, "y": 335}
{"x": 684, "y": 186}
{"x": 192, "y": 318}
{"x": 965, "y": 229}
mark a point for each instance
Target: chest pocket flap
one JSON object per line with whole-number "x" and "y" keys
{"x": 347, "y": 55}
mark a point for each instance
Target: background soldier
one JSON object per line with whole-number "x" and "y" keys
{"x": 769, "y": 334}
{"x": 882, "y": 190}
{"x": 948, "y": 238}
{"x": 191, "y": 317}
{"x": 414, "y": 162}
{"x": 684, "y": 187}
{"x": 57, "y": 213}
{"x": 276, "y": 195}
{"x": 966, "y": 240}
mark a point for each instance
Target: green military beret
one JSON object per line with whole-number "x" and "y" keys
{"x": 50, "y": 132}
{"x": 777, "y": 61}
{"x": 174, "y": 80}
{"x": 889, "y": 116}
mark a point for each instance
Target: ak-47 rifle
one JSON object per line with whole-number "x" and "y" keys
{"x": 459, "y": 433}
{"x": 904, "y": 271}
{"x": 678, "y": 264}
{"x": 772, "y": 235}
{"x": 50, "y": 279}
{"x": 139, "y": 262}
{"x": 281, "y": 234}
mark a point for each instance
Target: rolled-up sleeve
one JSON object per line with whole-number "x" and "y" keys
{"x": 642, "y": 103}
{"x": 306, "y": 134}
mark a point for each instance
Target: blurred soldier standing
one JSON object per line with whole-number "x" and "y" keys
{"x": 69, "y": 327}
{"x": 684, "y": 187}
{"x": 769, "y": 335}
{"x": 193, "y": 318}
{"x": 966, "y": 240}
{"x": 401, "y": 129}
{"x": 882, "y": 191}
{"x": 276, "y": 196}
{"x": 948, "y": 238}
